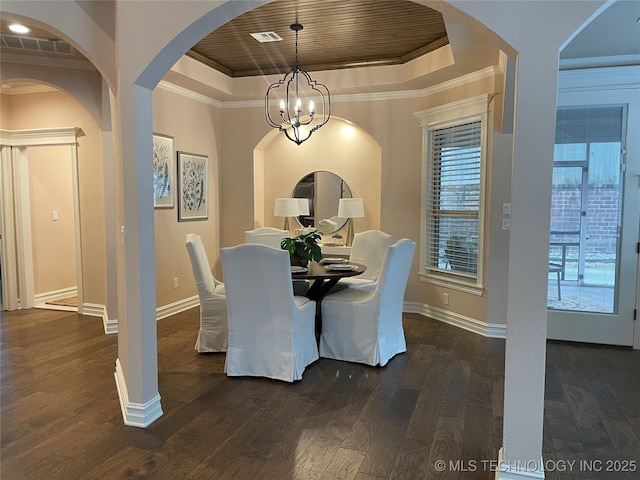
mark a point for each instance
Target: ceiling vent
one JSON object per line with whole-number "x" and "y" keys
{"x": 264, "y": 37}
{"x": 34, "y": 44}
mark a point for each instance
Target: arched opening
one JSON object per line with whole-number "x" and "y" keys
{"x": 343, "y": 148}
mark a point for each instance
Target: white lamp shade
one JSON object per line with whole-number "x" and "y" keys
{"x": 286, "y": 207}
{"x": 303, "y": 206}
{"x": 350, "y": 208}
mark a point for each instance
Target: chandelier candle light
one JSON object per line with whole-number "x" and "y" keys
{"x": 293, "y": 122}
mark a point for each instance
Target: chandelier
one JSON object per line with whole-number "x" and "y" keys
{"x": 296, "y": 124}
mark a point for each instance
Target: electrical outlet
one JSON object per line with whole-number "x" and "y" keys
{"x": 506, "y": 224}
{"x": 175, "y": 282}
{"x": 506, "y": 209}
{"x": 445, "y": 298}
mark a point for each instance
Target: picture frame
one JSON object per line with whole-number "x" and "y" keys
{"x": 193, "y": 186}
{"x": 164, "y": 184}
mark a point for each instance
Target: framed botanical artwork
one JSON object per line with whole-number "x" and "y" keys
{"x": 193, "y": 191}
{"x": 163, "y": 171}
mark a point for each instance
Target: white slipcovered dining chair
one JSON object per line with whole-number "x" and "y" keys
{"x": 266, "y": 236}
{"x": 369, "y": 249}
{"x": 212, "y": 336}
{"x": 366, "y": 326}
{"x": 272, "y": 237}
{"x": 271, "y": 331}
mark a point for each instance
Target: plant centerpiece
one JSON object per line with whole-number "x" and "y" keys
{"x": 303, "y": 248}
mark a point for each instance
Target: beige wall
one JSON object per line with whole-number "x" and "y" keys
{"x": 58, "y": 109}
{"x": 5, "y": 112}
{"x": 356, "y": 159}
{"x": 394, "y": 128}
{"x": 194, "y": 126}
{"x": 382, "y": 164}
{"x": 50, "y": 188}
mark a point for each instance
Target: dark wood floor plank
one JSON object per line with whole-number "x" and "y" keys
{"x": 446, "y": 447}
{"x": 371, "y": 416}
{"x": 344, "y": 465}
{"x": 624, "y": 440}
{"x": 412, "y": 461}
{"x": 422, "y": 425}
{"x": 477, "y": 444}
{"x": 60, "y": 416}
{"x": 570, "y": 458}
{"x": 456, "y": 392}
{"x": 591, "y": 431}
{"x": 384, "y": 447}
{"x": 314, "y": 451}
{"x": 560, "y": 421}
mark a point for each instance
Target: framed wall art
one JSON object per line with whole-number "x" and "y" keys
{"x": 163, "y": 171}
{"x": 193, "y": 192}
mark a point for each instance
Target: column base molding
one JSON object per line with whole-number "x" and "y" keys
{"x": 518, "y": 470}
{"x": 135, "y": 414}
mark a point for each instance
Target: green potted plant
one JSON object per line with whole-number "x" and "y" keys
{"x": 303, "y": 248}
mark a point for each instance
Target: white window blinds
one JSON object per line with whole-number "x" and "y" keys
{"x": 453, "y": 199}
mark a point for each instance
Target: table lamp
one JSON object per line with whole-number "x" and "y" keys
{"x": 303, "y": 206}
{"x": 350, "y": 208}
{"x": 286, "y": 207}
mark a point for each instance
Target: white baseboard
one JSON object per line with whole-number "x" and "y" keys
{"x": 95, "y": 310}
{"x": 177, "y": 307}
{"x": 506, "y": 471}
{"x": 491, "y": 330}
{"x": 135, "y": 414}
{"x": 111, "y": 324}
{"x": 40, "y": 299}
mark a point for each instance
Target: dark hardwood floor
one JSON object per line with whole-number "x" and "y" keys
{"x": 442, "y": 400}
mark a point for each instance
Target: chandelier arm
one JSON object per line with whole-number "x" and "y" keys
{"x": 290, "y": 122}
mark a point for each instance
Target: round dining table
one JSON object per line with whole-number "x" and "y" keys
{"x": 322, "y": 280}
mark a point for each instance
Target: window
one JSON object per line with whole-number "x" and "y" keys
{"x": 453, "y": 193}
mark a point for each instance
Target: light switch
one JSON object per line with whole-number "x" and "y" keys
{"x": 122, "y": 234}
{"x": 506, "y": 224}
{"x": 506, "y": 209}
{"x": 54, "y": 215}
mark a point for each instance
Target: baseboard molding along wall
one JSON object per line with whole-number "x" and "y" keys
{"x": 177, "y": 307}
{"x": 491, "y": 330}
{"x": 95, "y": 310}
{"x": 40, "y": 299}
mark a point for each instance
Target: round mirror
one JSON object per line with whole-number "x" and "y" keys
{"x": 324, "y": 191}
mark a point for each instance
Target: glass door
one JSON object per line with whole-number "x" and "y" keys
{"x": 587, "y": 298}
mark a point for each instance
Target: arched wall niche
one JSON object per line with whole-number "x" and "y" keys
{"x": 340, "y": 147}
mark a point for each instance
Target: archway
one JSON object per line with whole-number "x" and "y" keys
{"x": 343, "y": 148}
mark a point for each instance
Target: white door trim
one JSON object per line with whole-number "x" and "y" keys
{"x": 15, "y": 171}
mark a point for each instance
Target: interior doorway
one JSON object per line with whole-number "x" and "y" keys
{"x": 19, "y": 277}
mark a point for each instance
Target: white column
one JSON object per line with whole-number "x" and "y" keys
{"x": 136, "y": 367}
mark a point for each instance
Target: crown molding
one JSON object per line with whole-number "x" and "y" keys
{"x": 356, "y": 97}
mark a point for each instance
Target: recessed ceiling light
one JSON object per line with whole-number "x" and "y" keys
{"x": 17, "y": 28}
